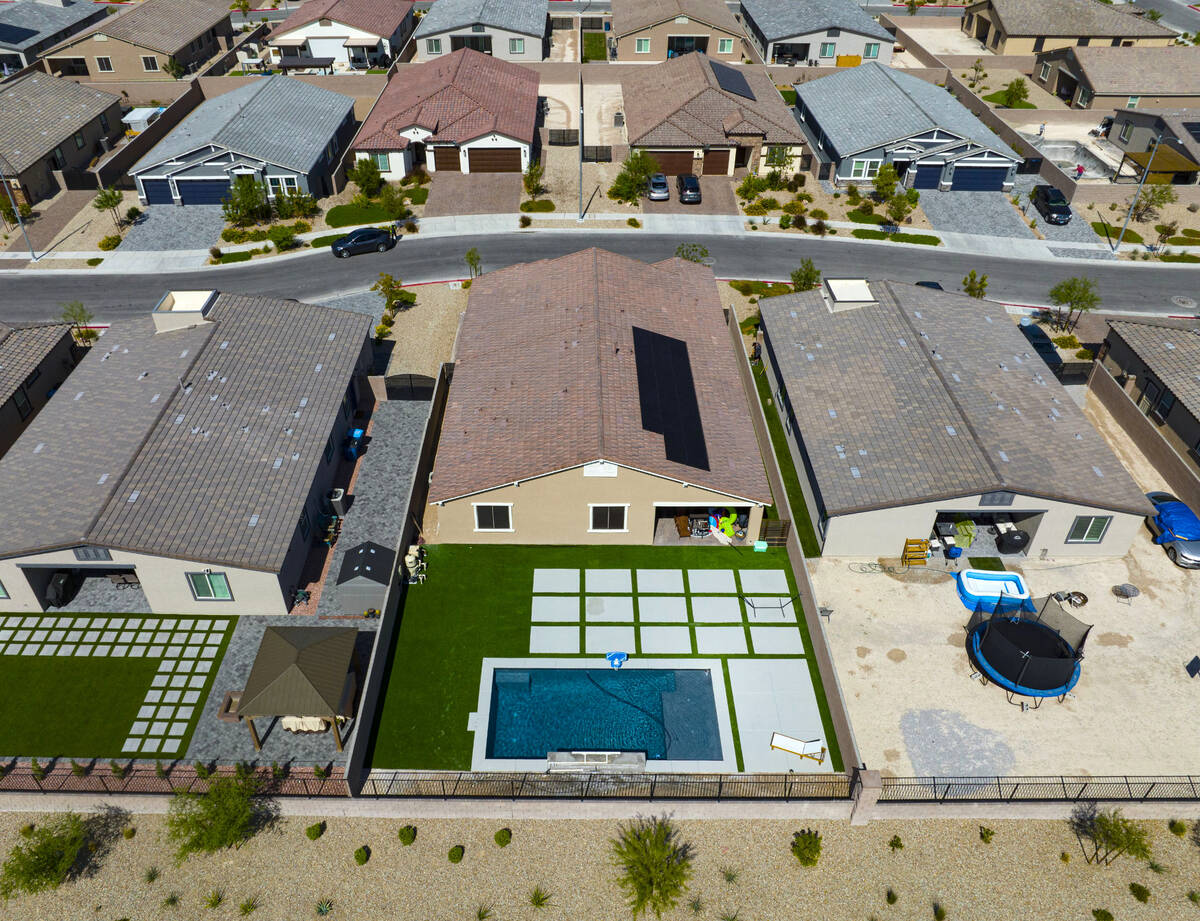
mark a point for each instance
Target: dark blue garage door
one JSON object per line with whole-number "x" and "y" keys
{"x": 979, "y": 178}
{"x": 203, "y": 191}
{"x": 158, "y": 191}
{"x": 928, "y": 177}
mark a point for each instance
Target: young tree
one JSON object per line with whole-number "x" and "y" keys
{"x": 1073, "y": 297}
{"x": 692, "y": 252}
{"x": 473, "y": 261}
{"x": 80, "y": 319}
{"x": 630, "y": 184}
{"x": 1155, "y": 194}
{"x": 175, "y": 70}
{"x": 365, "y": 174}
{"x": 978, "y": 73}
{"x": 7, "y": 212}
{"x": 885, "y": 182}
{"x": 109, "y": 200}
{"x": 532, "y": 179}
{"x": 393, "y": 293}
{"x": 247, "y": 202}
{"x": 655, "y": 864}
{"x": 913, "y": 6}
{"x": 46, "y": 858}
{"x": 806, "y": 277}
{"x": 1108, "y": 834}
{"x": 241, "y": 6}
{"x": 1015, "y": 93}
{"x": 226, "y": 816}
{"x": 1166, "y": 231}
{"x": 898, "y": 208}
{"x": 975, "y": 285}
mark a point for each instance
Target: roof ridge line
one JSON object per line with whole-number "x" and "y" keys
{"x": 599, "y": 360}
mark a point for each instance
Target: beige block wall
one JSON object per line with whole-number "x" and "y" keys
{"x": 1145, "y": 102}
{"x": 554, "y": 509}
{"x": 658, "y": 35}
{"x": 882, "y": 533}
{"x": 164, "y": 582}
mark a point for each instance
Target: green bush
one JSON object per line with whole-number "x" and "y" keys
{"x": 95, "y": 261}
{"x": 283, "y": 237}
{"x": 111, "y": 242}
{"x": 128, "y": 832}
{"x": 755, "y": 209}
{"x": 456, "y": 853}
{"x": 820, "y": 228}
{"x": 819, "y": 214}
{"x": 939, "y": 911}
{"x": 1139, "y": 892}
{"x": 896, "y": 844}
{"x": 633, "y": 222}
{"x": 503, "y": 837}
{"x": 526, "y": 220}
{"x": 769, "y": 204}
{"x": 806, "y": 847}
{"x": 381, "y": 331}
{"x": 804, "y": 197}
{"x": 751, "y": 187}
{"x": 226, "y": 816}
{"x": 362, "y": 855}
{"x": 986, "y": 834}
{"x": 47, "y": 858}
{"x": 537, "y": 205}
{"x": 634, "y": 177}
{"x": 1177, "y": 827}
{"x": 1066, "y": 342}
{"x": 785, "y": 221}
{"x": 407, "y": 835}
{"x": 795, "y": 208}
{"x": 655, "y": 864}
{"x": 1084, "y": 355}
{"x": 891, "y": 897}
{"x": 1102, "y": 914}
{"x": 315, "y": 831}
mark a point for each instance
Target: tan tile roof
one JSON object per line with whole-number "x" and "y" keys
{"x": 1072, "y": 18}
{"x": 1171, "y": 71}
{"x": 379, "y": 17}
{"x": 38, "y": 112}
{"x": 545, "y": 376}
{"x": 635, "y": 15}
{"x": 458, "y": 97}
{"x": 159, "y": 25}
{"x": 680, "y": 102}
{"x": 1172, "y": 354}
{"x": 24, "y": 348}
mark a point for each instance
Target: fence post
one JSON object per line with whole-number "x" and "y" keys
{"x": 865, "y": 789}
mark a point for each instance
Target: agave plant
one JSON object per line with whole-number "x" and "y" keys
{"x": 324, "y": 907}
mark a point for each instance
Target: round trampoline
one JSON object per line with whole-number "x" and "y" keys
{"x": 1029, "y": 653}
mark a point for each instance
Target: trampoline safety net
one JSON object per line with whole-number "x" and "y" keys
{"x": 1037, "y": 650}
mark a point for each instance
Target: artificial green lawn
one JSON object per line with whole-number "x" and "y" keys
{"x": 998, "y": 98}
{"x": 476, "y": 604}
{"x": 1110, "y": 233}
{"x": 789, "y": 96}
{"x": 987, "y": 563}
{"x": 594, "y": 47}
{"x": 922, "y": 239}
{"x": 350, "y": 214}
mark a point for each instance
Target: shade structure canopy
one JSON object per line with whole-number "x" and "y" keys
{"x": 301, "y": 671}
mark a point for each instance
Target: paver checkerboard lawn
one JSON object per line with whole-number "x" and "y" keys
{"x": 475, "y": 605}
{"x": 82, "y": 707}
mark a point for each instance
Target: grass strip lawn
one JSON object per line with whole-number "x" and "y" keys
{"x": 594, "y": 47}
{"x": 240, "y": 256}
{"x": 1110, "y": 233}
{"x": 417, "y": 195}
{"x": 1179, "y": 257}
{"x": 540, "y": 204}
{"x": 861, "y": 217}
{"x": 350, "y": 214}
{"x": 801, "y": 520}
{"x": 921, "y": 239}
{"x": 987, "y": 563}
{"x": 789, "y": 96}
{"x": 476, "y": 605}
{"x": 998, "y": 99}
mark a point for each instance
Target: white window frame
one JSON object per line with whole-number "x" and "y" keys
{"x": 475, "y": 506}
{"x": 101, "y": 68}
{"x": 870, "y": 51}
{"x": 724, "y": 46}
{"x": 1085, "y": 97}
{"x": 433, "y": 46}
{"x": 869, "y": 169}
{"x": 1091, "y": 519}
{"x": 832, "y": 46}
{"x": 1132, "y": 102}
{"x": 641, "y": 46}
{"x": 1126, "y": 132}
{"x": 274, "y": 186}
{"x": 208, "y": 576}
{"x": 3, "y": 592}
{"x": 383, "y": 161}
{"x": 516, "y": 46}
{"x": 147, "y": 59}
{"x": 1044, "y": 71}
{"x": 592, "y": 506}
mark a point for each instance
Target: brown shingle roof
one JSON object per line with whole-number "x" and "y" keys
{"x": 1170, "y": 71}
{"x": 1172, "y": 354}
{"x": 1072, "y": 18}
{"x": 159, "y": 25}
{"x": 458, "y": 97}
{"x": 545, "y": 377}
{"x": 38, "y": 112}
{"x": 634, "y": 15}
{"x": 24, "y": 348}
{"x": 379, "y": 17}
{"x": 679, "y": 102}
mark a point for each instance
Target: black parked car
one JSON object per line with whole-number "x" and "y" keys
{"x": 688, "y": 188}
{"x": 366, "y": 240}
{"x": 1051, "y": 204}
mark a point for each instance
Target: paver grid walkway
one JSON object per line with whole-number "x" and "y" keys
{"x": 188, "y": 647}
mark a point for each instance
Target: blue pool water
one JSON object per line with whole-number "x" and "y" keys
{"x": 670, "y": 714}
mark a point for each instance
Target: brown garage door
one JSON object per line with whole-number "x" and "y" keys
{"x": 716, "y": 162}
{"x": 446, "y": 159}
{"x": 673, "y": 162}
{"x": 495, "y": 160}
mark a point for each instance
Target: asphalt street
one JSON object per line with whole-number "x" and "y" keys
{"x": 1125, "y": 286}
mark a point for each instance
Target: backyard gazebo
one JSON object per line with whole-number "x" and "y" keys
{"x": 302, "y": 672}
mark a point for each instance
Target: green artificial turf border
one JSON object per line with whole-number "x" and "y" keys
{"x": 987, "y": 563}
{"x": 595, "y": 49}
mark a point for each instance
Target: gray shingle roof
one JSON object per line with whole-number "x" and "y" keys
{"x": 871, "y": 105}
{"x": 123, "y": 457}
{"x": 527, "y": 17}
{"x": 24, "y": 348}
{"x": 159, "y": 25}
{"x": 24, "y": 23}
{"x": 1072, "y": 18}
{"x": 929, "y": 395}
{"x": 779, "y": 20}
{"x": 277, "y": 119}
{"x": 38, "y": 112}
{"x": 1173, "y": 355}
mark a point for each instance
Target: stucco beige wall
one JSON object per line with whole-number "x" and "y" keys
{"x": 554, "y": 509}
{"x": 1001, "y": 43}
{"x": 658, "y": 35}
{"x": 882, "y": 533}
{"x": 127, "y": 58}
{"x": 38, "y": 182}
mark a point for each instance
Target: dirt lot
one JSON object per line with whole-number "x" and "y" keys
{"x": 424, "y": 334}
{"x": 562, "y": 179}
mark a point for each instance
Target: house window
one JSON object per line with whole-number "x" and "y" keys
{"x": 275, "y": 184}
{"x": 1038, "y": 44}
{"x": 828, "y": 49}
{"x": 305, "y": 524}
{"x": 725, "y": 46}
{"x": 642, "y": 46}
{"x": 1131, "y": 102}
{"x": 1195, "y": 450}
{"x": 21, "y": 399}
{"x": 3, "y": 591}
{"x": 1088, "y": 529}
{"x": 32, "y": 376}
{"x": 103, "y": 122}
{"x": 1126, "y": 132}
{"x": 478, "y": 27}
{"x": 1084, "y": 42}
{"x": 209, "y": 586}
{"x": 865, "y": 169}
{"x": 1085, "y": 97}
{"x": 381, "y": 160}
{"x": 493, "y": 517}
{"x": 1163, "y": 407}
{"x": 608, "y": 517}
{"x": 149, "y": 63}
{"x": 79, "y": 141}
{"x": 433, "y": 46}
{"x": 996, "y": 498}
{"x": 104, "y": 65}
{"x": 92, "y": 554}
{"x": 328, "y": 449}
{"x": 871, "y": 50}
{"x": 1044, "y": 72}
{"x": 516, "y": 46}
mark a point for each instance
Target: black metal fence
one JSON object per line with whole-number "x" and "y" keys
{"x": 486, "y": 785}
{"x": 1038, "y": 789}
{"x": 562, "y": 137}
{"x": 597, "y": 154}
{"x": 63, "y": 777}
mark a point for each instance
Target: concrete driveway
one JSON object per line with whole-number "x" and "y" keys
{"x": 171, "y": 227}
{"x": 988, "y": 213}
{"x": 716, "y": 193}
{"x": 474, "y": 193}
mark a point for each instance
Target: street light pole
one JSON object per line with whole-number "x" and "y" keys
{"x": 581, "y": 142}
{"x": 5, "y": 169}
{"x": 1138, "y": 191}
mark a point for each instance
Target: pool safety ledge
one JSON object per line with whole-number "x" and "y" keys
{"x": 480, "y": 721}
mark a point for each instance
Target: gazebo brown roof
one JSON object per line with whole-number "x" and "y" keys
{"x": 300, "y": 671}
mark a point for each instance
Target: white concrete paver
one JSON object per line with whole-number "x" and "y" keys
{"x": 662, "y": 581}
{"x": 666, "y": 640}
{"x": 656, "y": 609}
{"x": 763, "y": 581}
{"x": 609, "y": 580}
{"x": 774, "y": 695}
{"x": 554, "y": 639}
{"x": 716, "y": 609}
{"x": 556, "y": 580}
{"x": 776, "y": 641}
{"x": 600, "y": 608}
{"x": 711, "y": 581}
{"x": 720, "y": 640}
{"x": 609, "y": 639}
{"x": 555, "y": 608}
{"x": 761, "y": 609}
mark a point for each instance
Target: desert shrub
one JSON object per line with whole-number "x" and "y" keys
{"x": 891, "y": 896}
{"x": 655, "y": 864}
{"x": 896, "y": 844}
{"x": 755, "y": 209}
{"x": 775, "y": 180}
{"x": 526, "y": 220}
{"x": 456, "y": 853}
{"x": 770, "y": 204}
{"x": 1084, "y": 355}
{"x": 820, "y": 228}
{"x": 382, "y": 330}
{"x": 132, "y": 214}
{"x": 47, "y": 857}
{"x": 985, "y": 834}
{"x": 324, "y": 907}
{"x": 393, "y": 202}
{"x": 819, "y": 214}
{"x": 751, "y": 187}
{"x": 539, "y": 897}
{"x": 315, "y": 831}
{"x": 785, "y": 221}
{"x": 806, "y": 847}
{"x": 1177, "y": 828}
{"x": 226, "y": 816}
{"x": 411, "y": 227}
{"x": 362, "y": 855}
{"x": 1102, "y": 914}
{"x": 1139, "y": 892}
{"x": 503, "y": 837}
{"x": 215, "y": 252}
{"x": 633, "y": 222}
{"x": 111, "y": 242}
{"x": 407, "y": 835}
{"x": 1066, "y": 342}
{"x": 94, "y": 261}
{"x": 151, "y": 875}
{"x": 939, "y": 911}
{"x": 128, "y": 832}
{"x": 27, "y": 830}
{"x": 215, "y": 898}
{"x": 794, "y": 208}
{"x": 283, "y": 237}
{"x": 632, "y": 180}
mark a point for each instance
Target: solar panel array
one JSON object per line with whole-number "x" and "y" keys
{"x": 731, "y": 80}
{"x": 667, "y": 397}
{"x": 1192, "y": 128}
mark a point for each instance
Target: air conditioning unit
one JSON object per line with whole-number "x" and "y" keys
{"x": 105, "y": 144}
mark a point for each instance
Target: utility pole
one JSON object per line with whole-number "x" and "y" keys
{"x": 581, "y": 141}
{"x": 5, "y": 169}
{"x": 1138, "y": 191}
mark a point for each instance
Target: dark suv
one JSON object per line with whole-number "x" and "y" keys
{"x": 688, "y": 189}
{"x": 364, "y": 240}
{"x": 1051, "y": 204}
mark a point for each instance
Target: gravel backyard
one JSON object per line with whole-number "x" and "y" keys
{"x": 1019, "y": 876}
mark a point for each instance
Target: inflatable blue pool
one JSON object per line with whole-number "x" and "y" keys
{"x": 983, "y": 590}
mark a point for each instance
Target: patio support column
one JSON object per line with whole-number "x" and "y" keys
{"x": 337, "y": 734}
{"x": 253, "y": 734}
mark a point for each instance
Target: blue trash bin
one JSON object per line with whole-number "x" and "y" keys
{"x": 353, "y": 442}
{"x": 953, "y": 553}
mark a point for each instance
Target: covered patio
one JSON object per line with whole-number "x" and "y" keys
{"x": 1169, "y": 165}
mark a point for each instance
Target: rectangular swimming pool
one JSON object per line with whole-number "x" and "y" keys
{"x": 668, "y": 713}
